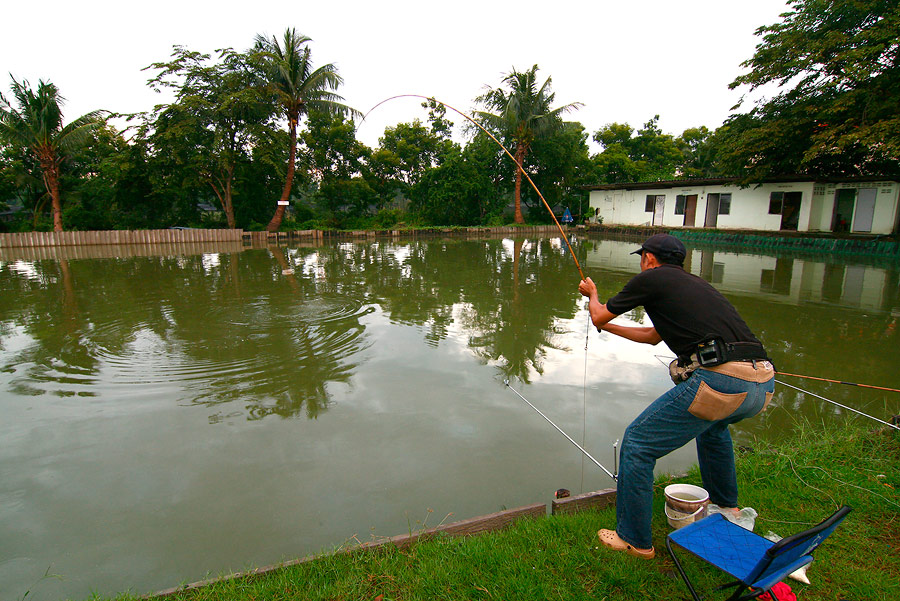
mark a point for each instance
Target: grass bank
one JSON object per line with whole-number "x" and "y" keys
{"x": 792, "y": 484}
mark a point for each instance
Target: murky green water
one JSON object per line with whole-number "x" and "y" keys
{"x": 165, "y": 418}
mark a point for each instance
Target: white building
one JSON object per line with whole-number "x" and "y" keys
{"x": 859, "y": 205}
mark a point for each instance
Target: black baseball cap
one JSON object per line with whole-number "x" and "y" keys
{"x": 663, "y": 246}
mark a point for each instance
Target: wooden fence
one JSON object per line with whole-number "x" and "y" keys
{"x": 192, "y": 236}
{"x": 136, "y": 237}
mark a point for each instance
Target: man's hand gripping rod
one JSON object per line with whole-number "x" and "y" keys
{"x": 586, "y": 454}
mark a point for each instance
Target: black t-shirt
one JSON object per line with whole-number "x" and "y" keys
{"x": 684, "y": 308}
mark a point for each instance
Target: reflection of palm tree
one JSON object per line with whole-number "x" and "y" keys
{"x": 222, "y": 342}
{"x": 271, "y": 356}
{"x": 522, "y": 329}
{"x": 50, "y": 315}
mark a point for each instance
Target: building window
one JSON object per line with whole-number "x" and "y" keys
{"x": 679, "y": 204}
{"x": 775, "y": 202}
{"x": 652, "y": 201}
{"x": 725, "y": 204}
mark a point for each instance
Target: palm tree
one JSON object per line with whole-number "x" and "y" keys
{"x": 522, "y": 114}
{"x": 298, "y": 88}
{"x": 36, "y": 125}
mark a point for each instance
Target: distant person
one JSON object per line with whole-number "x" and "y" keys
{"x": 722, "y": 375}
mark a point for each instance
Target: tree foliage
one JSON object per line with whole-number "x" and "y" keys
{"x": 837, "y": 64}
{"x": 650, "y": 155}
{"x": 217, "y": 116}
{"x": 286, "y": 66}
{"x": 459, "y": 191}
{"x": 35, "y": 123}
{"x": 523, "y": 114}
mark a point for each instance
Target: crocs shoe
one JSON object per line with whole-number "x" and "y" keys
{"x": 611, "y": 540}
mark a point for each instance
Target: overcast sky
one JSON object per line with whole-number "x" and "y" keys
{"x": 625, "y": 61}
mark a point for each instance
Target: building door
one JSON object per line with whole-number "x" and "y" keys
{"x": 865, "y": 210}
{"x": 712, "y": 210}
{"x": 844, "y": 201}
{"x": 790, "y": 210}
{"x": 659, "y": 209}
{"x": 690, "y": 210}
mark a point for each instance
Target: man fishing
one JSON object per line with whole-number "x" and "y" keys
{"x": 722, "y": 375}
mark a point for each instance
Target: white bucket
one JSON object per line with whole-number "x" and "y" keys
{"x": 685, "y": 503}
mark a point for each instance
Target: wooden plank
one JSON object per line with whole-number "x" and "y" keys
{"x": 600, "y": 499}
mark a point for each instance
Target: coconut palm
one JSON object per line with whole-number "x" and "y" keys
{"x": 36, "y": 125}
{"x": 522, "y": 114}
{"x": 299, "y": 88}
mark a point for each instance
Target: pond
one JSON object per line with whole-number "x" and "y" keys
{"x": 173, "y": 414}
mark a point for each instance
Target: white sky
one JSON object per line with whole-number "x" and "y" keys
{"x": 626, "y": 61}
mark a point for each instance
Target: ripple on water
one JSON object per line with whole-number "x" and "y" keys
{"x": 236, "y": 348}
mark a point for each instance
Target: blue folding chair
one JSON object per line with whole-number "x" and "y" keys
{"x": 754, "y": 561}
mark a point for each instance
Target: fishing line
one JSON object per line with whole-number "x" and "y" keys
{"x": 508, "y": 153}
{"x": 571, "y": 252}
{"x": 587, "y": 335}
{"x": 561, "y": 431}
{"x": 839, "y": 405}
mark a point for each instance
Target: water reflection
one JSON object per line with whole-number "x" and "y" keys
{"x": 212, "y": 329}
{"x": 272, "y": 328}
{"x": 148, "y": 396}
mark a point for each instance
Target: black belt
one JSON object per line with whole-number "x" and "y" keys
{"x": 715, "y": 352}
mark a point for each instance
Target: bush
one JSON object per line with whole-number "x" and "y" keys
{"x": 388, "y": 218}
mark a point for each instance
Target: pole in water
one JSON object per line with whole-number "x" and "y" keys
{"x": 561, "y": 431}
{"x": 840, "y": 382}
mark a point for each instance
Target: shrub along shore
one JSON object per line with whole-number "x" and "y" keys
{"x": 792, "y": 484}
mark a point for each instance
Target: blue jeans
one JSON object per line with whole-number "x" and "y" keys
{"x": 667, "y": 425}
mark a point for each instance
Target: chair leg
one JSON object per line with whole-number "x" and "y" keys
{"x": 753, "y": 594}
{"x": 681, "y": 571}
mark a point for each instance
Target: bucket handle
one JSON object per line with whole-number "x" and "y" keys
{"x": 684, "y": 517}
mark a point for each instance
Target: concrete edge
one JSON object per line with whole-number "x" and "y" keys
{"x": 600, "y": 499}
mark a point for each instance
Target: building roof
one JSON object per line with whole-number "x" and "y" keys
{"x": 720, "y": 181}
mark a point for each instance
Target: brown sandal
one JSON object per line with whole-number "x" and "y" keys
{"x": 611, "y": 540}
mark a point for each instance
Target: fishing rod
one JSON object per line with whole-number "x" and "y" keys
{"x": 839, "y": 405}
{"x": 561, "y": 431}
{"x": 508, "y": 153}
{"x": 840, "y": 382}
{"x": 558, "y": 226}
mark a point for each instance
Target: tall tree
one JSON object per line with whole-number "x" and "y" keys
{"x": 650, "y": 155}
{"x": 837, "y": 63}
{"x": 299, "y": 88}
{"x": 560, "y": 164}
{"x": 522, "y": 114}
{"x": 37, "y": 125}
{"x": 699, "y": 151}
{"x": 214, "y": 120}
{"x": 336, "y": 161}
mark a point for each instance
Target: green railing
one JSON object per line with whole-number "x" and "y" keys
{"x": 816, "y": 244}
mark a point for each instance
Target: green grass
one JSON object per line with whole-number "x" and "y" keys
{"x": 792, "y": 484}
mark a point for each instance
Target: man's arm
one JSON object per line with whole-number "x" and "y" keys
{"x": 647, "y": 335}
{"x": 601, "y": 316}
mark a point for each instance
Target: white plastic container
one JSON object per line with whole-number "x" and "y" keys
{"x": 685, "y": 504}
